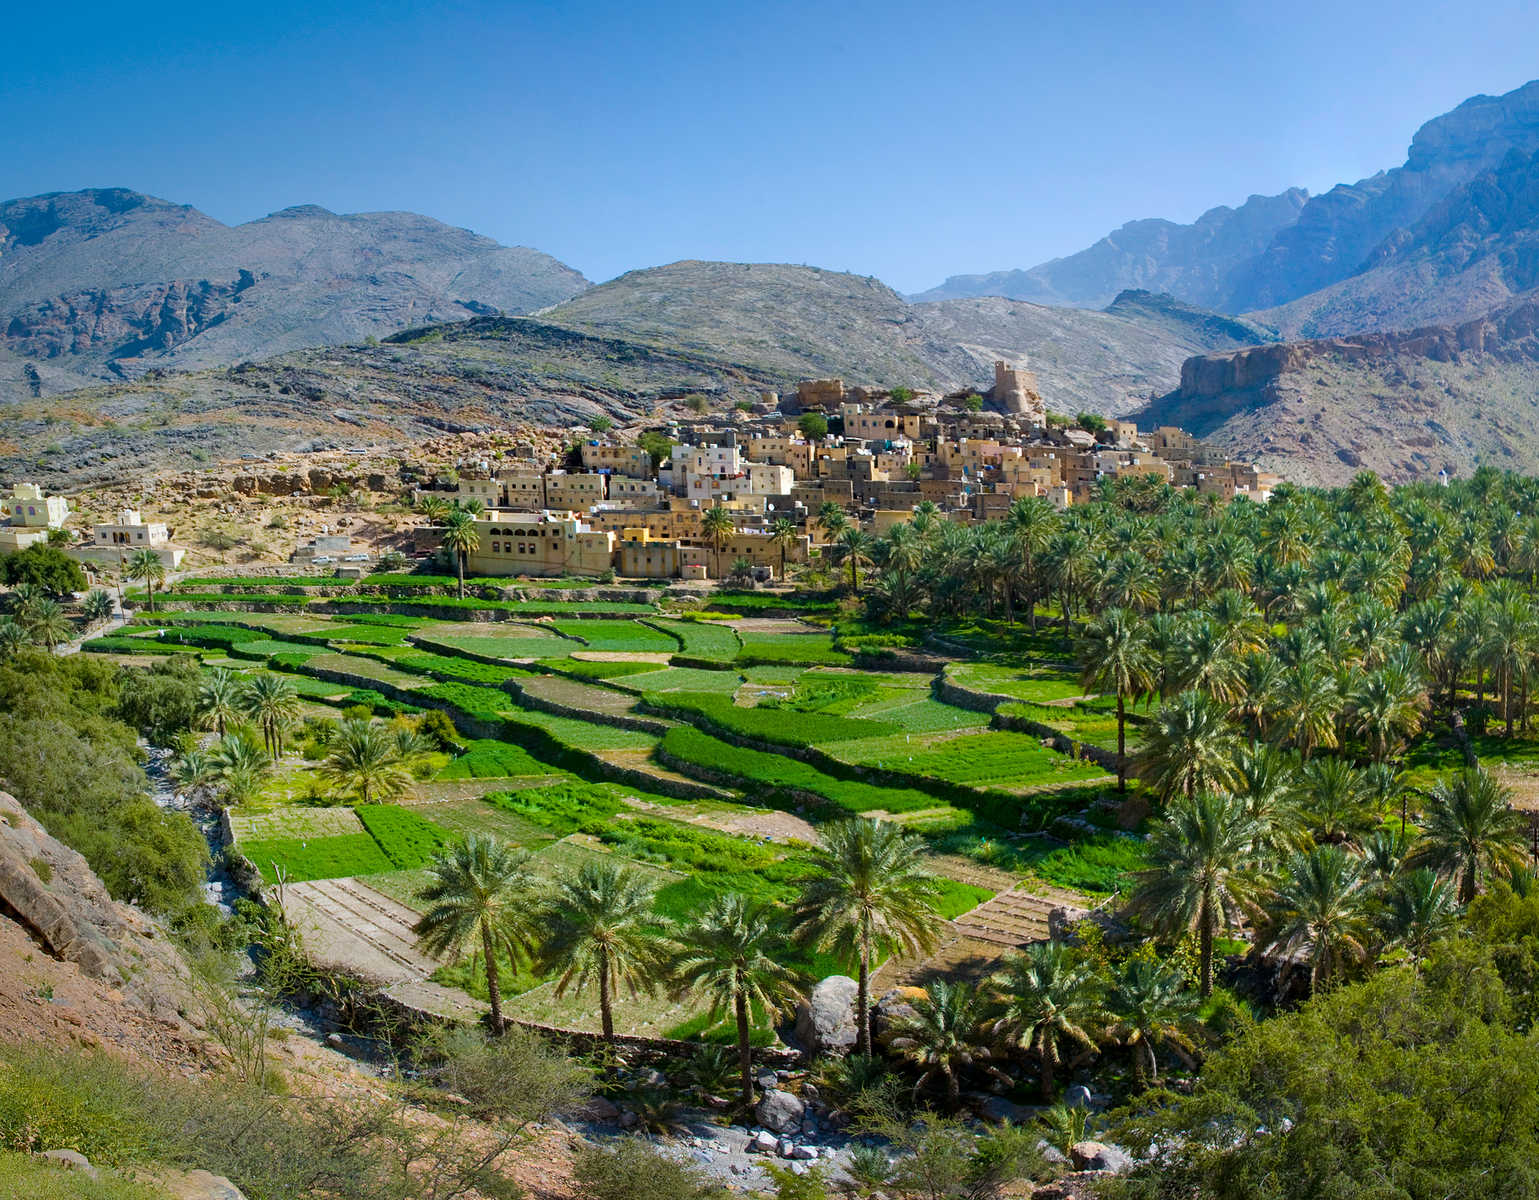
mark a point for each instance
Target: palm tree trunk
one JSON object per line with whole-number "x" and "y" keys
{"x": 606, "y": 1004}
{"x": 493, "y": 983}
{"x": 1049, "y": 1059}
{"x": 862, "y": 1000}
{"x": 1122, "y": 745}
{"x": 1205, "y": 952}
{"x": 459, "y": 574}
{"x": 149, "y": 585}
{"x": 953, "y": 1088}
{"x": 744, "y": 1049}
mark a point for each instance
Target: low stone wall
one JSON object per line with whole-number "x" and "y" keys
{"x": 527, "y": 699}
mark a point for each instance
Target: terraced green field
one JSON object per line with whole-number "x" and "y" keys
{"x": 828, "y": 739}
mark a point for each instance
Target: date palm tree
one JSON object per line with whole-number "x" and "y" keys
{"x": 603, "y": 931}
{"x": 272, "y": 702}
{"x": 48, "y": 625}
{"x": 831, "y": 519}
{"x": 731, "y": 955}
{"x": 1470, "y": 830}
{"x": 1386, "y": 708}
{"x": 461, "y": 539}
{"x": 364, "y": 759}
{"x": 717, "y": 526}
{"x": 783, "y": 535}
{"x": 219, "y": 700}
{"x": 1030, "y": 521}
{"x": 1115, "y": 656}
{"x": 1046, "y": 997}
{"x": 1320, "y": 910}
{"x": 97, "y": 606}
{"x": 242, "y": 765}
{"x": 1151, "y": 1005}
{"x": 1333, "y": 796}
{"x": 480, "y": 894}
{"x": 943, "y": 1036}
{"x": 195, "y": 771}
{"x": 1307, "y": 704}
{"x": 14, "y": 637}
{"x": 1420, "y": 908}
{"x": 853, "y": 547}
{"x": 1202, "y": 875}
{"x": 144, "y": 566}
{"x": 868, "y": 893}
{"x": 1190, "y": 747}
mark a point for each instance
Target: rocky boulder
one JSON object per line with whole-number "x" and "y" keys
{"x": 780, "y": 1112}
{"x": 1098, "y": 1156}
{"x": 825, "y": 1021}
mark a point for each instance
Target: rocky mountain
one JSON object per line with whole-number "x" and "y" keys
{"x": 1194, "y": 262}
{"x": 1475, "y": 249}
{"x": 1389, "y": 251}
{"x": 650, "y": 338}
{"x": 109, "y": 283}
{"x": 1337, "y": 233}
{"x": 1404, "y": 404}
{"x": 791, "y": 323}
{"x": 1106, "y": 362}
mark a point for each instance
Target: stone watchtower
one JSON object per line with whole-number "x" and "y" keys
{"x": 1015, "y": 392}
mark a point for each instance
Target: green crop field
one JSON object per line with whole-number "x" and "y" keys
{"x": 999, "y": 760}
{"x": 621, "y": 636}
{"x": 703, "y": 640}
{"x": 407, "y": 839}
{"x": 302, "y": 859}
{"x": 494, "y": 760}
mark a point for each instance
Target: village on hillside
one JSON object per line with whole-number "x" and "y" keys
{"x": 745, "y": 495}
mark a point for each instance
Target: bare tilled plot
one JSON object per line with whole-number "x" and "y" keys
{"x": 348, "y": 926}
{"x": 1017, "y": 917}
{"x": 583, "y": 697}
{"x": 957, "y": 957}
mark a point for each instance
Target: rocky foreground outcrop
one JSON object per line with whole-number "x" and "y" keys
{"x": 106, "y": 974}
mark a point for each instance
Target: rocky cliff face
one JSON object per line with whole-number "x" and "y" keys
{"x": 109, "y": 283}
{"x": 1405, "y": 404}
{"x": 77, "y": 965}
{"x": 1193, "y": 261}
{"x": 1336, "y": 233}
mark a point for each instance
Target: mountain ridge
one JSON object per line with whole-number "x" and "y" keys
{"x": 109, "y": 282}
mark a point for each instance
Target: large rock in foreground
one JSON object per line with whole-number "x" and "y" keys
{"x": 825, "y": 1021}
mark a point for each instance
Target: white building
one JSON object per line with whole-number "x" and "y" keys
{"x": 30, "y": 516}
{"x": 115, "y": 541}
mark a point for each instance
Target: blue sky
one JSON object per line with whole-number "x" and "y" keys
{"x": 905, "y": 140}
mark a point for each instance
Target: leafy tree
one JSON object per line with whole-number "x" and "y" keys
{"x": 730, "y": 955}
{"x": 1048, "y": 996}
{"x": 161, "y": 702}
{"x": 813, "y": 426}
{"x": 44, "y": 567}
{"x": 604, "y": 932}
{"x": 479, "y": 893}
{"x": 1201, "y": 876}
{"x": 868, "y": 892}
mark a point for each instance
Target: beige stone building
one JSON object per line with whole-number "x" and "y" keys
{"x": 30, "y": 516}
{"x": 539, "y": 543}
